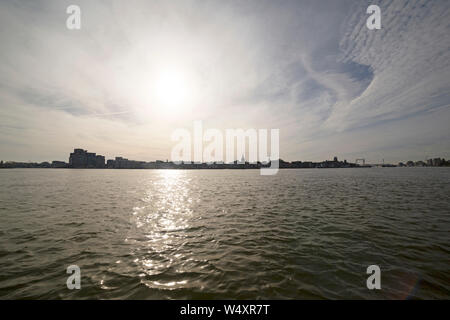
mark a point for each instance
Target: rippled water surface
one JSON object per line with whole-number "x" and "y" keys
{"x": 207, "y": 234}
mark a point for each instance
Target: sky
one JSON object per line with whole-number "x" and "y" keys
{"x": 138, "y": 70}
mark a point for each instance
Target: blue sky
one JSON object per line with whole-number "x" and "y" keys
{"x": 309, "y": 68}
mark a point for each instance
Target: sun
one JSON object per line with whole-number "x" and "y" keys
{"x": 172, "y": 89}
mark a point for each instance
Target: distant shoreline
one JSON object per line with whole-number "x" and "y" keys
{"x": 358, "y": 167}
{"x": 81, "y": 159}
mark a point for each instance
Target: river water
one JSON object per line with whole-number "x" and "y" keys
{"x": 225, "y": 234}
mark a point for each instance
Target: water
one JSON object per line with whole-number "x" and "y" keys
{"x": 210, "y": 234}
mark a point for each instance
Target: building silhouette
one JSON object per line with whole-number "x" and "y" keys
{"x": 80, "y": 158}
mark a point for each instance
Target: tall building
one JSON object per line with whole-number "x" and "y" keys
{"x": 110, "y": 164}
{"x": 80, "y": 158}
{"x": 100, "y": 161}
{"x": 91, "y": 160}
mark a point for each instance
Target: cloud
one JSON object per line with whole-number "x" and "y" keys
{"x": 310, "y": 68}
{"x": 410, "y": 60}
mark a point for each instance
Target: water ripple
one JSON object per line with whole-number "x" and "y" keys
{"x": 162, "y": 234}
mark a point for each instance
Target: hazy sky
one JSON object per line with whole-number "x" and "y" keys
{"x": 137, "y": 70}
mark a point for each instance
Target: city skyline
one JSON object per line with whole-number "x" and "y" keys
{"x": 135, "y": 72}
{"x": 82, "y": 159}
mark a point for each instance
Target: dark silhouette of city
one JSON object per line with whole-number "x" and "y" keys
{"x": 82, "y": 159}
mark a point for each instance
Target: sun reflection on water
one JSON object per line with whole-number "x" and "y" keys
{"x": 161, "y": 222}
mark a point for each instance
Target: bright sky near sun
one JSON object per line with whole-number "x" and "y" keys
{"x": 138, "y": 70}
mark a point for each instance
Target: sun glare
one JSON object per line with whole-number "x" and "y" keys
{"x": 172, "y": 89}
